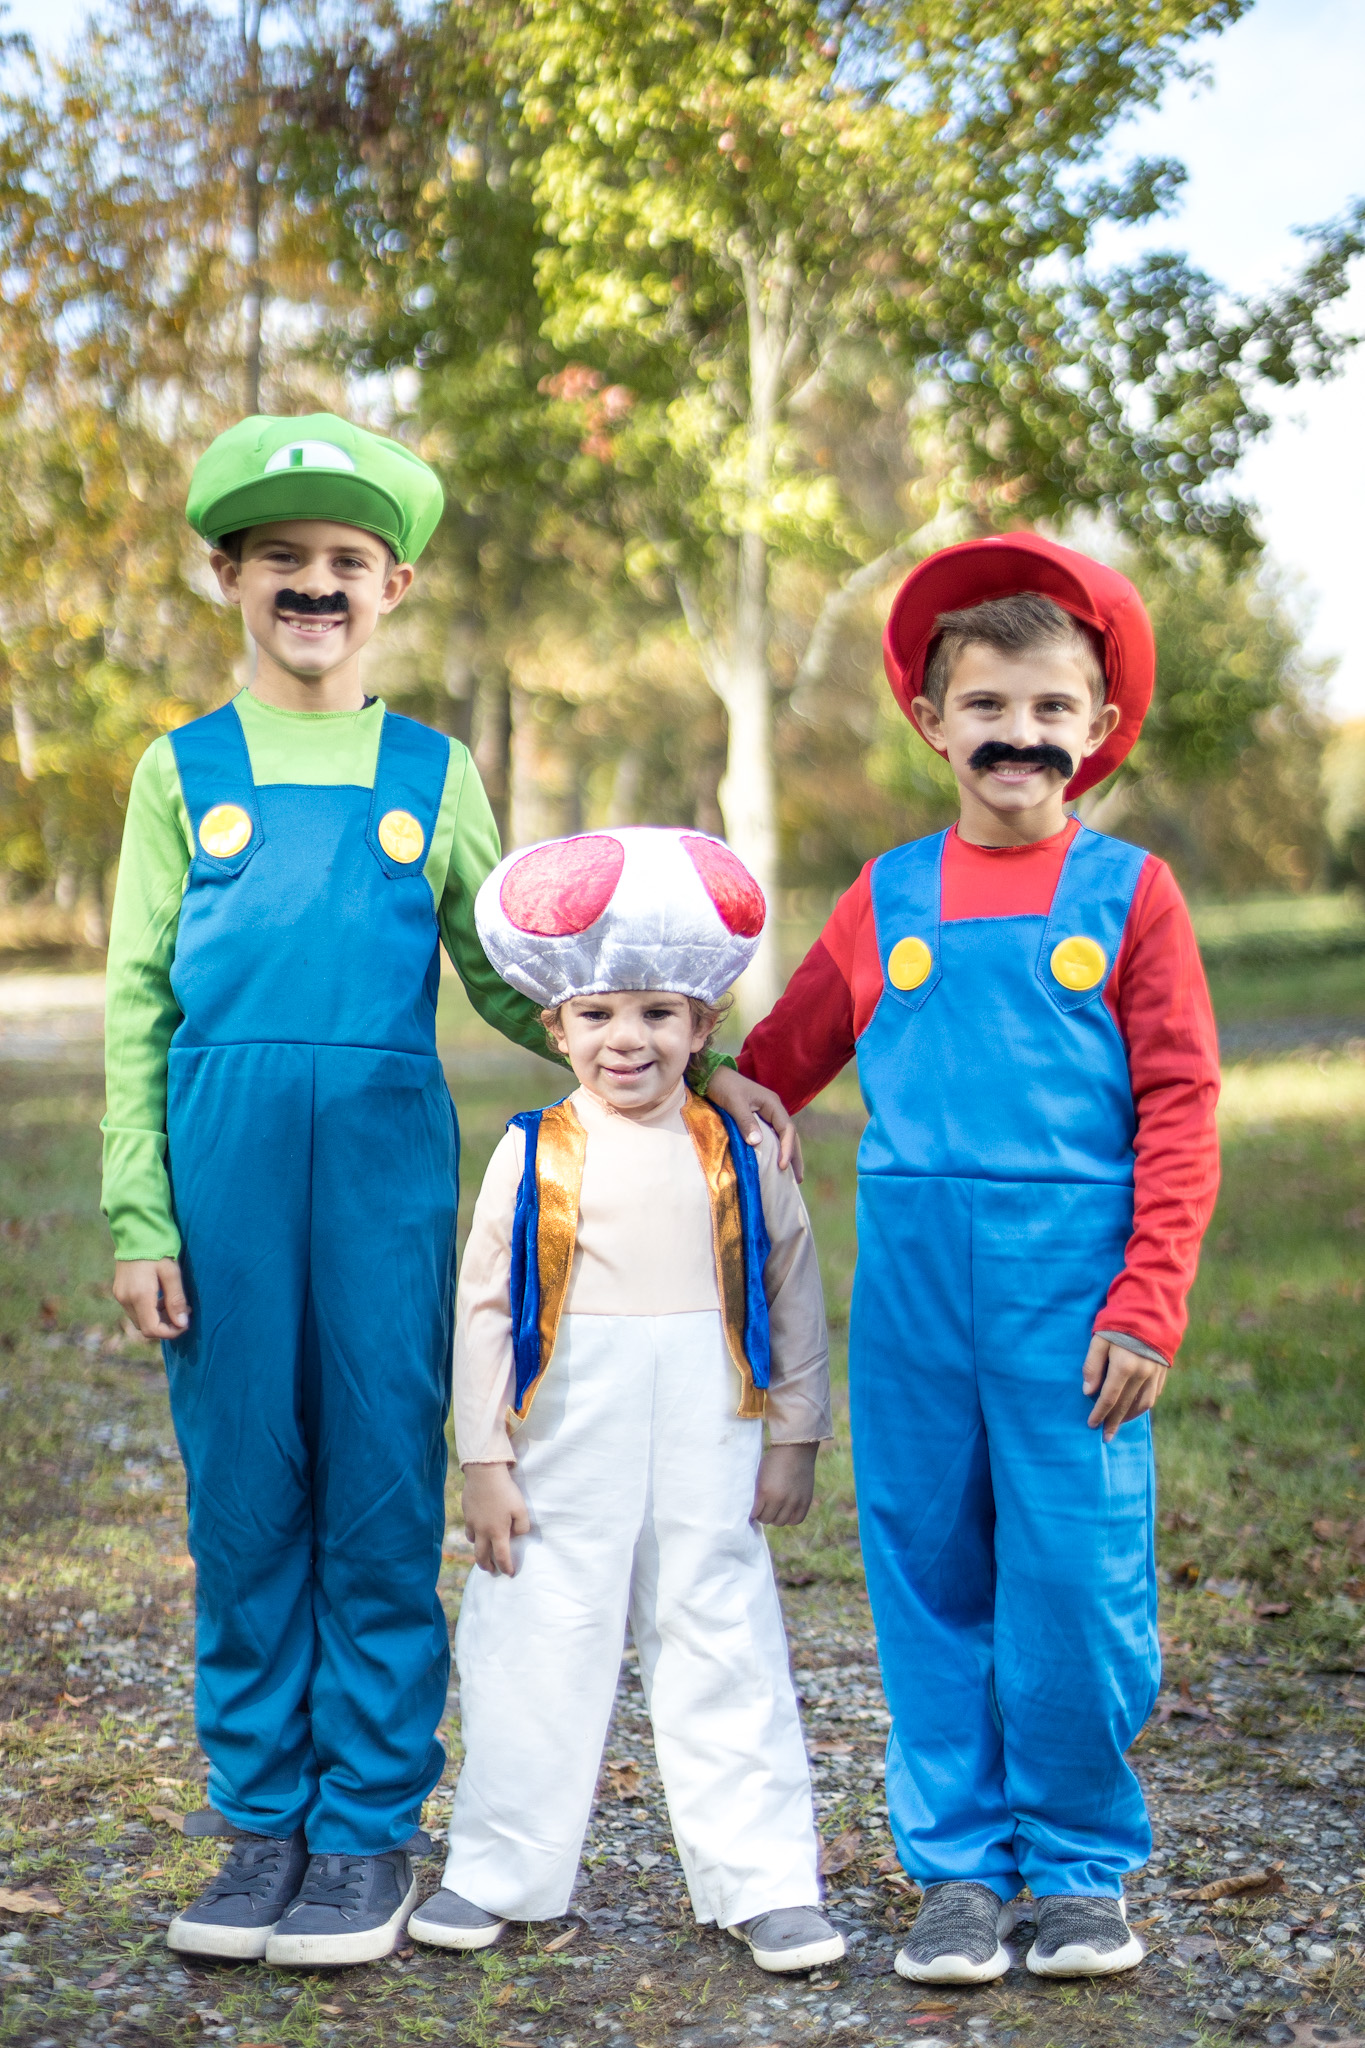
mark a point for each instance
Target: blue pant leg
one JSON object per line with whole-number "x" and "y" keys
{"x": 1077, "y": 1661}
{"x": 927, "y": 1523}
{"x": 385, "y": 1174}
{"x": 239, "y": 1121}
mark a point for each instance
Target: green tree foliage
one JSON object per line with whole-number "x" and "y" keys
{"x": 725, "y": 233}
{"x": 126, "y": 332}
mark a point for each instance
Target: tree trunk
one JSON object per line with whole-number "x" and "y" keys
{"x": 253, "y": 299}
{"x": 492, "y": 744}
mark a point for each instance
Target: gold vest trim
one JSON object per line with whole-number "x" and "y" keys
{"x": 561, "y": 1148}
{"x": 712, "y": 1145}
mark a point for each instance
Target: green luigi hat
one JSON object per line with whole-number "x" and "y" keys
{"x": 317, "y": 467}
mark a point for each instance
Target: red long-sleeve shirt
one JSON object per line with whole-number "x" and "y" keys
{"x": 1158, "y": 998}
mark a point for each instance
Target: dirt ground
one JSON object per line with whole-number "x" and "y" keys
{"x": 1258, "y": 1765}
{"x": 1255, "y": 1756}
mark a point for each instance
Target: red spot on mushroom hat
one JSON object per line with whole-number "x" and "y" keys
{"x": 639, "y": 906}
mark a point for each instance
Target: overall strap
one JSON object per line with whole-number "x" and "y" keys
{"x": 409, "y": 781}
{"x": 1085, "y": 926}
{"x": 544, "y": 1234}
{"x": 740, "y": 1236}
{"x": 907, "y": 894}
{"x": 214, "y": 767}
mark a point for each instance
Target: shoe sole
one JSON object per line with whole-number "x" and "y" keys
{"x": 324, "y": 1951}
{"x": 954, "y": 1969}
{"x": 226, "y": 1944}
{"x": 469, "y": 1938}
{"x": 811, "y": 1955}
{"x": 1077, "y": 1959}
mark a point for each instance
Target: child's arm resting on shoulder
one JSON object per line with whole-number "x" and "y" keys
{"x": 474, "y": 853}
{"x": 494, "y": 1512}
{"x": 808, "y": 1037}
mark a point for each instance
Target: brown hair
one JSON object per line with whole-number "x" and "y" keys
{"x": 705, "y": 1016}
{"x": 1012, "y": 625}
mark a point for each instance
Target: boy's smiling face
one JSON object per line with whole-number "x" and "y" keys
{"x": 311, "y": 593}
{"x": 1038, "y": 706}
{"x": 629, "y": 1048}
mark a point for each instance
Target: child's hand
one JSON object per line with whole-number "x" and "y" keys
{"x": 1128, "y": 1384}
{"x": 151, "y": 1294}
{"x": 494, "y": 1512}
{"x": 786, "y": 1485}
{"x": 746, "y": 1102}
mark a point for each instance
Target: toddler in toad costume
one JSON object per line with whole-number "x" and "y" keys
{"x": 639, "y": 1295}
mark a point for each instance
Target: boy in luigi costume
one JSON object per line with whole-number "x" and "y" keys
{"x": 1025, "y": 1002}
{"x": 281, "y": 1157}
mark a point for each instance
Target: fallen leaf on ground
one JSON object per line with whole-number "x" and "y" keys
{"x": 888, "y": 1865}
{"x": 1268, "y": 1608}
{"x": 333, "y": 2011}
{"x": 1193, "y": 1948}
{"x": 624, "y": 1780}
{"x": 506, "y": 1995}
{"x": 74, "y": 1699}
{"x": 840, "y": 1853}
{"x": 1189, "y": 1709}
{"x": 1244, "y": 1884}
{"x": 105, "y": 1979}
{"x": 168, "y": 1818}
{"x": 36, "y": 1898}
{"x": 828, "y": 1748}
{"x": 560, "y": 1941}
{"x": 1313, "y": 2034}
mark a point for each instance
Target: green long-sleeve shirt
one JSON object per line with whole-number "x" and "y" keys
{"x": 311, "y": 747}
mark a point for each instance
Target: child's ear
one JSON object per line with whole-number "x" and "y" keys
{"x": 397, "y": 584}
{"x": 229, "y": 574}
{"x": 1101, "y": 725}
{"x": 929, "y": 719}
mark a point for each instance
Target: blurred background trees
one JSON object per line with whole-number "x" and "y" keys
{"x": 713, "y": 320}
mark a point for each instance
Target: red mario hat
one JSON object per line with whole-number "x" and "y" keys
{"x": 1004, "y": 566}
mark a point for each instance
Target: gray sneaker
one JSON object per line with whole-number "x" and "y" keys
{"x": 956, "y": 1936}
{"x": 234, "y": 1917}
{"x": 1082, "y": 1935}
{"x": 791, "y": 1938}
{"x": 445, "y": 1920}
{"x": 350, "y": 1909}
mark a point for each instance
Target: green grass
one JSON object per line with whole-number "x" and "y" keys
{"x": 1261, "y": 1433}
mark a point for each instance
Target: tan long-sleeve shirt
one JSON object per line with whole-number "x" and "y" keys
{"x": 644, "y": 1248}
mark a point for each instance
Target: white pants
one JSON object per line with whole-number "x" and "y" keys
{"x": 640, "y": 1481}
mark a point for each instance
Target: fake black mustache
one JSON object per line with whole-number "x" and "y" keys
{"x": 991, "y": 753}
{"x": 311, "y": 607}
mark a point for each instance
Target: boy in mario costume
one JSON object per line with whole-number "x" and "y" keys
{"x": 639, "y": 1298}
{"x": 281, "y": 1157}
{"x": 1035, "y": 1047}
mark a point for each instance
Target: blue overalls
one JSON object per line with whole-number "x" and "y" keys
{"x": 314, "y": 1156}
{"x": 1008, "y": 1548}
